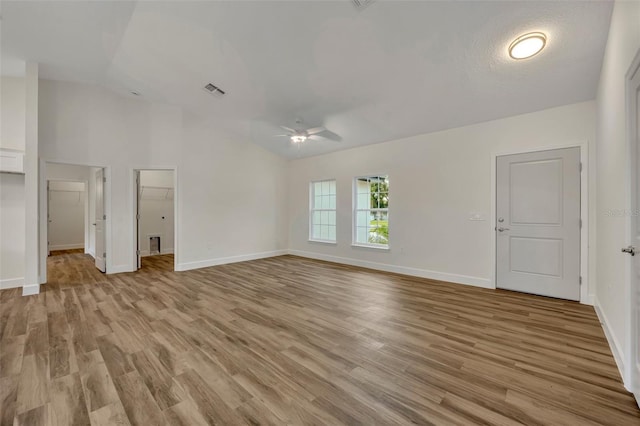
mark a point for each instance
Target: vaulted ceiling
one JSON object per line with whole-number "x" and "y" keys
{"x": 390, "y": 70}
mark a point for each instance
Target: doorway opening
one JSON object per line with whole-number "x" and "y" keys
{"x": 73, "y": 222}
{"x": 67, "y": 217}
{"x": 155, "y": 219}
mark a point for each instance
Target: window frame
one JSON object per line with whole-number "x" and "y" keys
{"x": 313, "y": 210}
{"x": 355, "y": 210}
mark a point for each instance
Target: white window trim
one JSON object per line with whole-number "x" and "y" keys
{"x": 371, "y": 246}
{"x": 312, "y": 210}
{"x": 355, "y": 210}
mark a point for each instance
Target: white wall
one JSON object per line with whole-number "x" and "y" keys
{"x": 231, "y": 194}
{"x": 11, "y": 230}
{"x": 12, "y": 112}
{"x": 436, "y": 181}
{"x": 231, "y": 198}
{"x": 12, "y": 206}
{"x": 32, "y": 199}
{"x": 70, "y": 172}
{"x": 156, "y": 209}
{"x": 67, "y": 208}
{"x": 612, "y": 180}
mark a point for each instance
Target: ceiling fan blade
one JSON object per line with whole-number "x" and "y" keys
{"x": 327, "y": 135}
{"x": 288, "y": 129}
{"x": 315, "y": 130}
{"x": 321, "y": 138}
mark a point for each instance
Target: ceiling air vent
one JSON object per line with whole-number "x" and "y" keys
{"x": 214, "y": 90}
{"x": 361, "y": 4}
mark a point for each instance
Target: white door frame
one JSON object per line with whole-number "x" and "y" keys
{"x": 43, "y": 222}
{"x": 632, "y": 335}
{"x": 86, "y": 207}
{"x": 586, "y": 293}
{"x": 132, "y": 215}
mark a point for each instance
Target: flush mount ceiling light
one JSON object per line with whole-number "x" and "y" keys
{"x": 527, "y": 45}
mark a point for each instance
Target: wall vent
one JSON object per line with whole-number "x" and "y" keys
{"x": 214, "y": 90}
{"x": 361, "y": 4}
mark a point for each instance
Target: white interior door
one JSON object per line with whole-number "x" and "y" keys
{"x": 137, "y": 201}
{"x": 632, "y": 249}
{"x": 101, "y": 252}
{"x": 538, "y": 223}
{"x": 48, "y": 219}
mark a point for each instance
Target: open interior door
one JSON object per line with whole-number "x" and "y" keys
{"x": 48, "y": 220}
{"x": 633, "y": 92}
{"x": 101, "y": 252}
{"x": 138, "y": 258}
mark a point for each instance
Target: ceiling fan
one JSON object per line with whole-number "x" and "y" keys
{"x": 300, "y": 134}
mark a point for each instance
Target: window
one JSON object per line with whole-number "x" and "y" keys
{"x": 322, "y": 212}
{"x": 371, "y": 214}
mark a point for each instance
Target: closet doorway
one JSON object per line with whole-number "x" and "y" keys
{"x": 155, "y": 219}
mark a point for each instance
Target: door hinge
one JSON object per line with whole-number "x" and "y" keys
{"x": 104, "y": 255}
{"x": 138, "y": 216}
{"x": 104, "y": 179}
{"x": 580, "y": 166}
{"x": 138, "y": 252}
{"x": 580, "y": 280}
{"x": 104, "y": 217}
{"x": 580, "y": 223}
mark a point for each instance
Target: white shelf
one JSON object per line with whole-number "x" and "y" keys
{"x": 11, "y": 161}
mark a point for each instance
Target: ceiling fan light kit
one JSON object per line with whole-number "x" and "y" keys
{"x": 299, "y": 136}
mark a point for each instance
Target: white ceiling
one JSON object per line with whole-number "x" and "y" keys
{"x": 391, "y": 70}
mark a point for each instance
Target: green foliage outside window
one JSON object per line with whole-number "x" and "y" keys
{"x": 379, "y": 233}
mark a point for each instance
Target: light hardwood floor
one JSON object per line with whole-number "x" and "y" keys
{"x": 288, "y": 340}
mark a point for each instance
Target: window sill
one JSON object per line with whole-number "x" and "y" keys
{"x": 370, "y": 246}
{"x": 333, "y": 243}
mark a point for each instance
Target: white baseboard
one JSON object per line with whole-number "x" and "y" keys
{"x": 145, "y": 253}
{"x": 31, "y": 289}
{"x": 404, "y": 270}
{"x": 616, "y": 349}
{"x": 11, "y": 283}
{"x": 118, "y": 269}
{"x": 66, "y": 247}
{"x": 187, "y": 266}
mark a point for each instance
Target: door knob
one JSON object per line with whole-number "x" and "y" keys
{"x": 501, "y": 229}
{"x": 630, "y": 249}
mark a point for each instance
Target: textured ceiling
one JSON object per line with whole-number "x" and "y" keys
{"x": 391, "y": 70}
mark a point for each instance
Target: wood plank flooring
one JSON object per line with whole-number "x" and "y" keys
{"x": 293, "y": 341}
